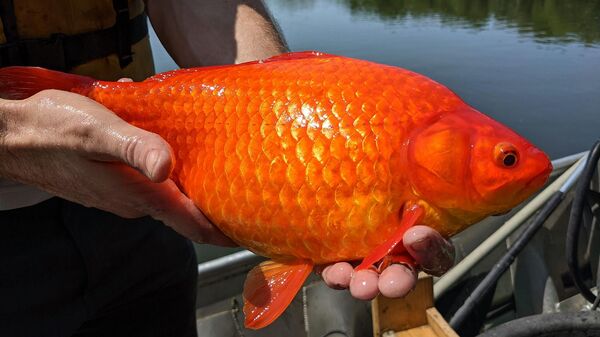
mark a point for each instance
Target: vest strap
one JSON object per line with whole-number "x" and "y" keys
{"x": 123, "y": 42}
{"x": 64, "y": 52}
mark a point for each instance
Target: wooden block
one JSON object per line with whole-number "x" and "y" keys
{"x": 411, "y": 316}
{"x": 439, "y": 324}
{"x": 422, "y": 331}
{"x": 404, "y": 313}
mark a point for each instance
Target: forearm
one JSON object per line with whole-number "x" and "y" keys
{"x": 208, "y": 32}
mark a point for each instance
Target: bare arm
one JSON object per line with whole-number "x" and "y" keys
{"x": 208, "y": 32}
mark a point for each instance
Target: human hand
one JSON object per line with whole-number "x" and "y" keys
{"x": 75, "y": 148}
{"x": 431, "y": 251}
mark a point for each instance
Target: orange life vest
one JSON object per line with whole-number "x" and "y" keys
{"x": 105, "y": 39}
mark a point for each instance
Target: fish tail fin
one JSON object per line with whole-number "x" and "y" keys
{"x": 269, "y": 288}
{"x": 23, "y": 82}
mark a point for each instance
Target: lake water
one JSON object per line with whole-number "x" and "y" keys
{"x": 533, "y": 65}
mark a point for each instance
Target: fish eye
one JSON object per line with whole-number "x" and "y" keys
{"x": 506, "y": 155}
{"x": 510, "y": 159}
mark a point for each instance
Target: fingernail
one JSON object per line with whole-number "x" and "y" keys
{"x": 421, "y": 245}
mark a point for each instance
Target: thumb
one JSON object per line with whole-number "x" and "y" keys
{"x": 431, "y": 251}
{"x": 145, "y": 151}
{"x": 148, "y": 153}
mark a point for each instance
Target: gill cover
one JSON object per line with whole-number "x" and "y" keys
{"x": 470, "y": 166}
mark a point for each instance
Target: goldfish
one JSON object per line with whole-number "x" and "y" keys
{"x": 309, "y": 158}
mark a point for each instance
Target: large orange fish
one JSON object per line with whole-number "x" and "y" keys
{"x": 309, "y": 158}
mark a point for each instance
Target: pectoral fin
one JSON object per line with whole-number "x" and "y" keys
{"x": 269, "y": 288}
{"x": 393, "y": 246}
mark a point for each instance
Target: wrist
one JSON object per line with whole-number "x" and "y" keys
{"x": 5, "y": 113}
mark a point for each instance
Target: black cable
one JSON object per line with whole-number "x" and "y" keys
{"x": 572, "y": 242}
{"x": 597, "y": 301}
{"x": 576, "y": 324}
{"x": 463, "y": 313}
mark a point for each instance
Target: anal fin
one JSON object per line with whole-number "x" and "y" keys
{"x": 269, "y": 288}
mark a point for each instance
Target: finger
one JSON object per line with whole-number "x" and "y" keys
{"x": 363, "y": 284}
{"x": 396, "y": 281}
{"x": 431, "y": 251}
{"x": 338, "y": 275}
{"x": 179, "y": 212}
{"x": 162, "y": 201}
{"x": 125, "y": 79}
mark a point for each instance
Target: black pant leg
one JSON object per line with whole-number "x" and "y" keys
{"x": 166, "y": 312}
{"x": 141, "y": 275}
{"x": 66, "y": 269}
{"x": 42, "y": 274}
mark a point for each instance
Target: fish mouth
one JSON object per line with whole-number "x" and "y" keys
{"x": 538, "y": 181}
{"x": 541, "y": 179}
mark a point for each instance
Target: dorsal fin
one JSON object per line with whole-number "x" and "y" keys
{"x": 282, "y": 57}
{"x": 167, "y": 74}
{"x": 297, "y": 55}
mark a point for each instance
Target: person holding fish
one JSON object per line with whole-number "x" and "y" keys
{"x": 80, "y": 253}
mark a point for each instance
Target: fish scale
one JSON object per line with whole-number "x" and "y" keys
{"x": 274, "y": 142}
